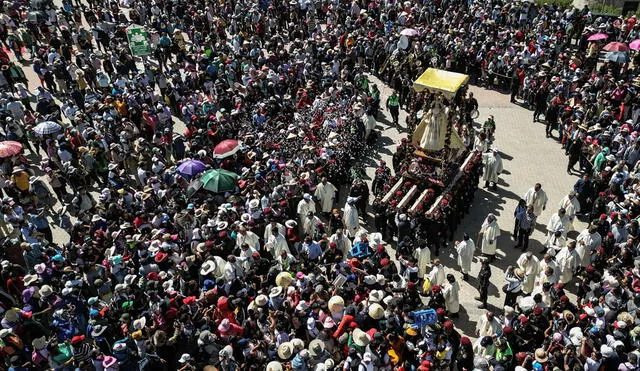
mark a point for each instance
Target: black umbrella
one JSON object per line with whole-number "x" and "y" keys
{"x": 194, "y": 187}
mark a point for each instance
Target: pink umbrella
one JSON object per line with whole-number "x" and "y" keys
{"x": 9, "y": 148}
{"x": 616, "y": 47}
{"x": 635, "y": 44}
{"x": 598, "y": 36}
{"x": 226, "y": 148}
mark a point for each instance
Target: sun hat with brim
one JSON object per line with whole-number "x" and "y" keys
{"x": 109, "y": 361}
{"x": 98, "y": 330}
{"x": 186, "y": 357}
{"x": 519, "y": 272}
{"x": 285, "y": 350}
{"x": 290, "y": 223}
{"x": 29, "y": 279}
{"x": 360, "y": 337}
{"x": 207, "y": 268}
{"x": 275, "y": 292}
{"x": 316, "y": 346}
{"x": 45, "y": 291}
{"x": 140, "y": 323}
{"x": 5, "y": 332}
{"x": 297, "y": 343}
{"x": 376, "y": 311}
{"x": 39, "y": 343}
{"x": 284, "y": 279}
{"x": 329, "y": 323}
{"x": 274, "y": 366}
{"x": 541, "y": 355}
{"x": 336, "y": 304}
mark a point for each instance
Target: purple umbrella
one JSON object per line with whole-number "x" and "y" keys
{"x": 191, "y": 167}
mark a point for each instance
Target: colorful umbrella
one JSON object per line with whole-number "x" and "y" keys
{"x": 47, "y": 127}
{"x": 9, "y": 148}
{"x": 226, "y": 148}
{"x": 219, "y": 180}
{"x": 191, "y": 167}
{"x": 598, "y": 36}
{"x": 410, "y": 32}
{"x": 616, "y": 47}
{"x": 617, "y": 57}
{"x": 635, "y": 44}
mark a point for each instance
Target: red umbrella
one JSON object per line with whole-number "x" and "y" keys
{"x": 598, "y": 36}
{"x": 616, "y": 47}
{"x": 226, "y": 148}
{"x": 9, "y": 148}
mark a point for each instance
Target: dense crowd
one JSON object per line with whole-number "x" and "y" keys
{"x": 227, "y": 245}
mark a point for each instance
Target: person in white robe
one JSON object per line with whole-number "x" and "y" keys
{"x": 465, "y": 250}
{"x": 492, "y": 168}
{"x": 276, "y": 243}
{"x": 437, "y": 276}
{"x": 530, "y": 265}
{"x": 310, "y": 224}
{"x": 305, "y": 205}
{"x": 549, "y": 272}
{"x": 489, "y": 233}
{"x": 248, "y": 237}
{"x": 451, "y": 293}
{"x": 571, "y": 204}
{"x": 537, "y": 197}
{"x": 488, "y": 325}
{"x": 423, "y": 257}
{"x": 273, "y": 224}
{"x": 555, "y": 243}
{"x": 568, "y": 262}
{"x": 558, "y": 222}
{"x": 587, "y": 243}
{"x": 351, "y": 222}
{"x": 326, "y": 195}
{"x": 342, "y": 242}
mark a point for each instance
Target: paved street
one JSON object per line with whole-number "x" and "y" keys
{"x": 528, "y": 158}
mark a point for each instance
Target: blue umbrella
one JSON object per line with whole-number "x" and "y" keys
{"x": 617, "y": 57}
{"x": 191, "y": 167}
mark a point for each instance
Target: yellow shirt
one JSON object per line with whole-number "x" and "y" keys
{"x": 21, "y": 180}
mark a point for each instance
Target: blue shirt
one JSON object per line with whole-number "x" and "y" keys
{"x": 40, "y": 222}
{"x": 313, "y": 250}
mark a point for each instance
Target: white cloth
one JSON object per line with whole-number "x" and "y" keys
{"x": 567, "y": 264}
{"x": 326, "y": 194}
{"x": 304, "y": 207}
{"x": 275, "y": 245}
{"x": 342, "y": 242}
{"x": 572, "y": 206}
{"x": 486, "y": 327}
{"x": 249, "y": 238}
{"x": 451, "y": 293}
{"x": 423, "y": 255}
{"x": 351, "y": 221}
{"x": 586, "y": 243}
{"x": 537, "y": 199}
{"x": 492, "y": 167}
{"x": 557, "y": 223}
{"x": 531, "y": 267}
{"x": 437, "y": 276}
{"x": 465, "y": 251}
{"x": 490, "y": 233}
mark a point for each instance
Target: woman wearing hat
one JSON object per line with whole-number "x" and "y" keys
{"x": 513, "y": 287}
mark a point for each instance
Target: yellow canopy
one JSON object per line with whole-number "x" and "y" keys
{"x": 436, "y": 80}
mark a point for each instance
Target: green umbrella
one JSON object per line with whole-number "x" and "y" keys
{"x": 219, "y": 180}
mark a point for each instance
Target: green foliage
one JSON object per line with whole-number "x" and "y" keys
{"x": 563, "y": 4}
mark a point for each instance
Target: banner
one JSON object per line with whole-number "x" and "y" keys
{"x": 423, "y": 318}
{"x": 138, "y": 40}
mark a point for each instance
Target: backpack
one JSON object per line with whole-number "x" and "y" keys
{"x": 355, "y": 363}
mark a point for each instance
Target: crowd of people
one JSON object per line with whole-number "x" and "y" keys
{"x": 227, "y": 245}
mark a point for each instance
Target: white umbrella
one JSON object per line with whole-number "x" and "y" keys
{"x": 47, "y": 127}
{"x": 410, "y": 32}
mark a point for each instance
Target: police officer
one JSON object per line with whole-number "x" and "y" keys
{"x": 393, "y": 105}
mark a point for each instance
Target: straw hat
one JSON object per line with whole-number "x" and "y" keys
{"x": 290, "y": 223}
{"x": 283, "y": 279}
{"x": 336, "y": 303}
{"x": 519, "y": 272}
{"x": 360, "y": 337}
{"x": 275, "y": 292}
{"x": 45, "y": 291}
{"x": 316, "y": 346}
{"x": 285, "y": 350}
{"x": 140, "y": 323}
{"x": 541, "y": 355}
{"x": 207, "y": 267}
{"x": 261, "y": 300}
{"x": 376, "y": 311}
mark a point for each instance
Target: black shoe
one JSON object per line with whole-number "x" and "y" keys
{"x": 482, "y": 306}
{"x": 465, "y": 277}
{"x": 478, "y": 298}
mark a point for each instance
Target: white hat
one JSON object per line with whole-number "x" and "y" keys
{"x": 360, "y": 337}
{"x": 375, "y": 296}
{"x": 275, "y": 292}
{"x": 306, "y": 196}
{"x": 285, "y": 350}
{"x": 140, "y": 323}
{"x": 376, "y": 311}
{"x": 29, "y": 279}
{"x": 185, "y": 358}
{"x": 290, "y": 223}
{"x": 245, "y": 217}
{"x": 5, "y": 332}
{"x": 221, "y": 226}
{"x": 45, "y": 291}
{"x": 274, "y": 366}
{"x": 606, "y": 351}
{"x": 207, "y": 267}
{"x": 254, "y": 204}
